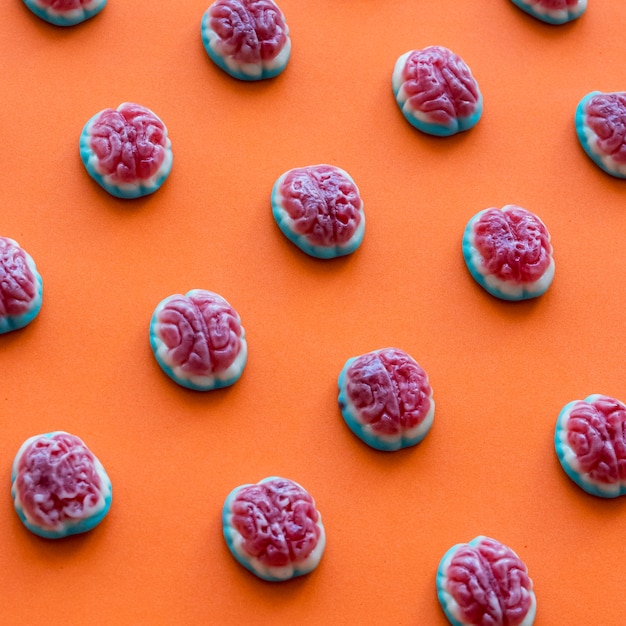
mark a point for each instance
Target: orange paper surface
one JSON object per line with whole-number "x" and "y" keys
{"x": 500, "y": 371}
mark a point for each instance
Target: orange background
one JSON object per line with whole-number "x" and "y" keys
{"x": 500, "y": 371}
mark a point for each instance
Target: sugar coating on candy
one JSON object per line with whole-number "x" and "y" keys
{"x": 65, "y": 12}
{"x": 248, "y": 39}
{"x": 590, "y": 442}
{"x": 319, "y": 208}
{"x": 127, "y": 150}
{"x": 274, "y": 529}
{"x": 484, "y": 583}
{"x": 436, "y": 91}
{"x": 386, "y": 399}
{"x": 198, "y": 340}
{"x": 553, "y": 11}
{"x": 20, "y": 286}
{"x": 601, "y": 130}
{"x": 59, "y": 487}
{"x": 508, "y": 252}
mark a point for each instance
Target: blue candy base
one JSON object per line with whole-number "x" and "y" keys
{"x": 60, "y": 20}
{"x": 528, "y": 8}
{"x": 9, "y": 323}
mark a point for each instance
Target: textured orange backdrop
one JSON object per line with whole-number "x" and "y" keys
{"x": 500, "y": 371}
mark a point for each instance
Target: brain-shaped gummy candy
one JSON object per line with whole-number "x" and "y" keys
{"x": 59, "y": 486}
{"x": 248, "y": 39}
{"x": 601, "y": 130}
{"x": 436, "y": 91}
{"x": 65, "y": 12}
{"x": 273, "y": 529}
{"x": 20, "y": 286}
{"x": 508, "y": 252}
{"x": 127, "y": 150}
{"x": 553, "y": 11}
{"x": 385, "y": 399}
{"x": 320, "y": 210}
{"x": 590, "y": 441}
{"x": 198, "y": 340}
{"x": 484, "y": 583}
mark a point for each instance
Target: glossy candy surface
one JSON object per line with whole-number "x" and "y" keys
{"x": 590, "y": 441}
{"x": 320, "y": 210}
{"x": 20, "y": 286}
{"x": 553, "y": 11}
{"x": 436, "y": 91}
{"x": 601, "y": 129}
{"x": 274, "y": 529}
{"x": 248, "y": 39}
{"x": 198, "y": 340}
{"x": 508, "y": 252}
{"x": 127, "y": 150}
{"x": 386, "y": 399}
{"x": 484, "y": 583}
{"x": 59, "y": 487}
{"x": 65, "y": 12}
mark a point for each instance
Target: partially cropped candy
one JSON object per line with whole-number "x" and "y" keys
{"x": 319, "y": 209}
{"x": 274, "y": 529}
{"x": 553, "y": 11}
{"x": 20, "y": 286}
{"x": 484, "y": 583}
{"x": 386, "y": 400}
{"x": 436, "y": 91}
{"x": 198, "y": 340}
{"x": 65, "y": 12}
{"x": 59, "y": 487}
{"x": 590, "y": 442}
{"x": 508, "y": 252}
{"x": 248, "y": 39}
{"x": 601, "y": 129}
{"x": 127, "y": 150}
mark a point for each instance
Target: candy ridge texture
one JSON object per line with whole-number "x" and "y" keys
{"x": 127, "y": 150}
{"x": 274, "y": 529}
{"x": 320, "y": 210}
{"x": 385, "y": 399}
{"x": 59, "y": 487}
{"x": 247, "y": 39}
{"x": 508, "y": 253}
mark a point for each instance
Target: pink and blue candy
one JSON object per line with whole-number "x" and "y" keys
{"x": 508, "y": 252}
{"x": 385, "y": 399}
{"x": 485, "y": 582}
{"x": 590, "y": 442}
{"x": 553, "y": 11}
{"x": 248, "y": 39}
{"x": 21, "y": 288}
{"x": 198, "y": 341}
{"x": 319, "y": 209}
{"x": 436, "y": 91}
{"x": 59, "y": 487}
{"x": 127, "y": 150}
{"x": 274, "y": 529}
{"x": 65, "y": 12}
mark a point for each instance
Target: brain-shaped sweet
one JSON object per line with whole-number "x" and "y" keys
{"x": 274, "y": 529}
{"x": 508, "y": 252}
{"x": 248, "y": 39}
{"x": 198, "y": 340}
{"x": 590, "y": 441}
{"x": 385, "y": 399}
{"x": 484, "y": 583}
{"x": 127, "y": 150}
{"x": 65, "y": 12}
{"x": 601, "y": 129}
{"x": 436, "y": 91}
{"x": 320, "y": 210}
{"x": 20, "y": 286}
{"x": 59, "y": 487}
{"x": 553, "y": 11}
